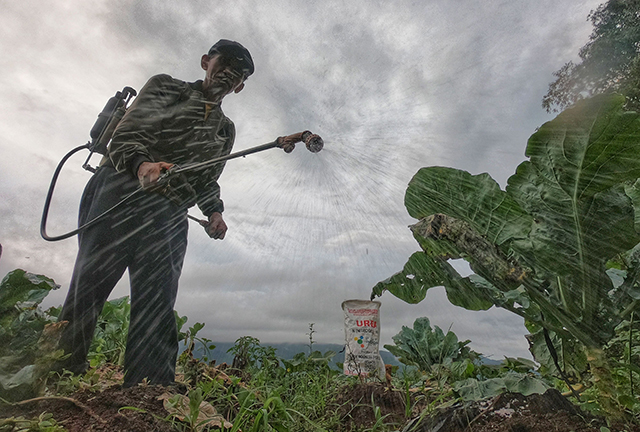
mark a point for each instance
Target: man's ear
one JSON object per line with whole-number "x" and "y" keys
{"x": 239, "y": 88}
{"x": 204, "y": 61}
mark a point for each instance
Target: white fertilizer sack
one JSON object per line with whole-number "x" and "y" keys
{"x": 362, "y": 338}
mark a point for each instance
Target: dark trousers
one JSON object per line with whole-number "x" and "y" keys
{"x": 147, "y": 235}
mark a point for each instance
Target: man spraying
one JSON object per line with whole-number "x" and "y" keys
{"x": 170, "y": 122}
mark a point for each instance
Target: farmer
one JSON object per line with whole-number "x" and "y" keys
{"x": 170, "y": 122}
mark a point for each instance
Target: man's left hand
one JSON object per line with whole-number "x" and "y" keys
{"x": 216, "y": 229}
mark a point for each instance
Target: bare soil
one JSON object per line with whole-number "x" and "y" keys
{"x": 356, "y": 406}
{"x": 87, "y": 410}
{"x": 508, "y": 412}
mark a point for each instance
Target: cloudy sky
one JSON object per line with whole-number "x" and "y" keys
{"x": 390, "y": 86}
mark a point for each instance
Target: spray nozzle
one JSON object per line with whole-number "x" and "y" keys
{"x": 313, "y": 142}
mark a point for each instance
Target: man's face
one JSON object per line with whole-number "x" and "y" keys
{"x": 222, "y": 77}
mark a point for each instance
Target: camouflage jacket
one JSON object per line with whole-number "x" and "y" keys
{"x": 168, "y": 122}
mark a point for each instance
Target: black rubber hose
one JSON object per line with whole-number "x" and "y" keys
{"x": 47, "y": 202}
{"x": 317, "y": 146}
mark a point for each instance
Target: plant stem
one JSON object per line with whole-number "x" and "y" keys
{"x": 603, "y": 380}
{"x": 554, "y": 356}
{"x": 630, "y": 343}
{"x": 629, "y": 309}
{"x": 311, "y": 332}
{"x": 571, "y": 328}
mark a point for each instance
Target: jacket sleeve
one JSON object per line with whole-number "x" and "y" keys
{"x": 138, "y": 130}
{"x": 205, "y": 182}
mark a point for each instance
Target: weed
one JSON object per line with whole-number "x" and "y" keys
{"x": 310, "y": 334}
{"x": 377, "y": 412}
{"x": 66, "y": 383}
{"x": 44, "y": 423}
{"x": 190, "y": 338}
{"x": 110, "y": 337}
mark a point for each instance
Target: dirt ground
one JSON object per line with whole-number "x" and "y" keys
{"x": 87, "y": 411}
{"x": 509, "y": 412}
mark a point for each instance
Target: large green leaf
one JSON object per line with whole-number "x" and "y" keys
{"x": 476, "y": 200}
{"x": 573, "y": 186}
{"x": 633, "y": 192}
{"x": 21, "y": 328}
{"x": 21, "y": 320}
{"x": 22, "y": 377}
{"x": 20, "y": 286}
{"x": 473, "y": 389}
{"x": 423, "y": 272}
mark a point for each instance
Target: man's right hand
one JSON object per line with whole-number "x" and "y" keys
{"x": 149, "y": 172}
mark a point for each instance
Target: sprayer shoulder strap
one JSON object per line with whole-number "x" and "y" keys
{"x": 145, "y": 120}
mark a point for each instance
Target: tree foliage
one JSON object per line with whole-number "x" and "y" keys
{"x": 609, "y": 62}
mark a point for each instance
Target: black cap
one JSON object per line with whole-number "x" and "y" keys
{"x": 233, "y": 48}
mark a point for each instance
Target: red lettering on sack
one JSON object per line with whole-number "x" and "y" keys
{"x": 367, "y": 323}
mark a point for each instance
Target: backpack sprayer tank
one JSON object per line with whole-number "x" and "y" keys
{"x": 105, "y": 125}
{"x": 100, "y": 134}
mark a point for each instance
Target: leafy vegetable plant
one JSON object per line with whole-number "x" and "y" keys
{"x": 541, "y": 247}
{"x": 110, "y": 338}
{"x": 425, "y": 347}
{"x": 446, "y": 359}
{"x": 28, "y": 335}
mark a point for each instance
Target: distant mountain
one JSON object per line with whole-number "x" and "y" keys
{"x": 490, "y": 362}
